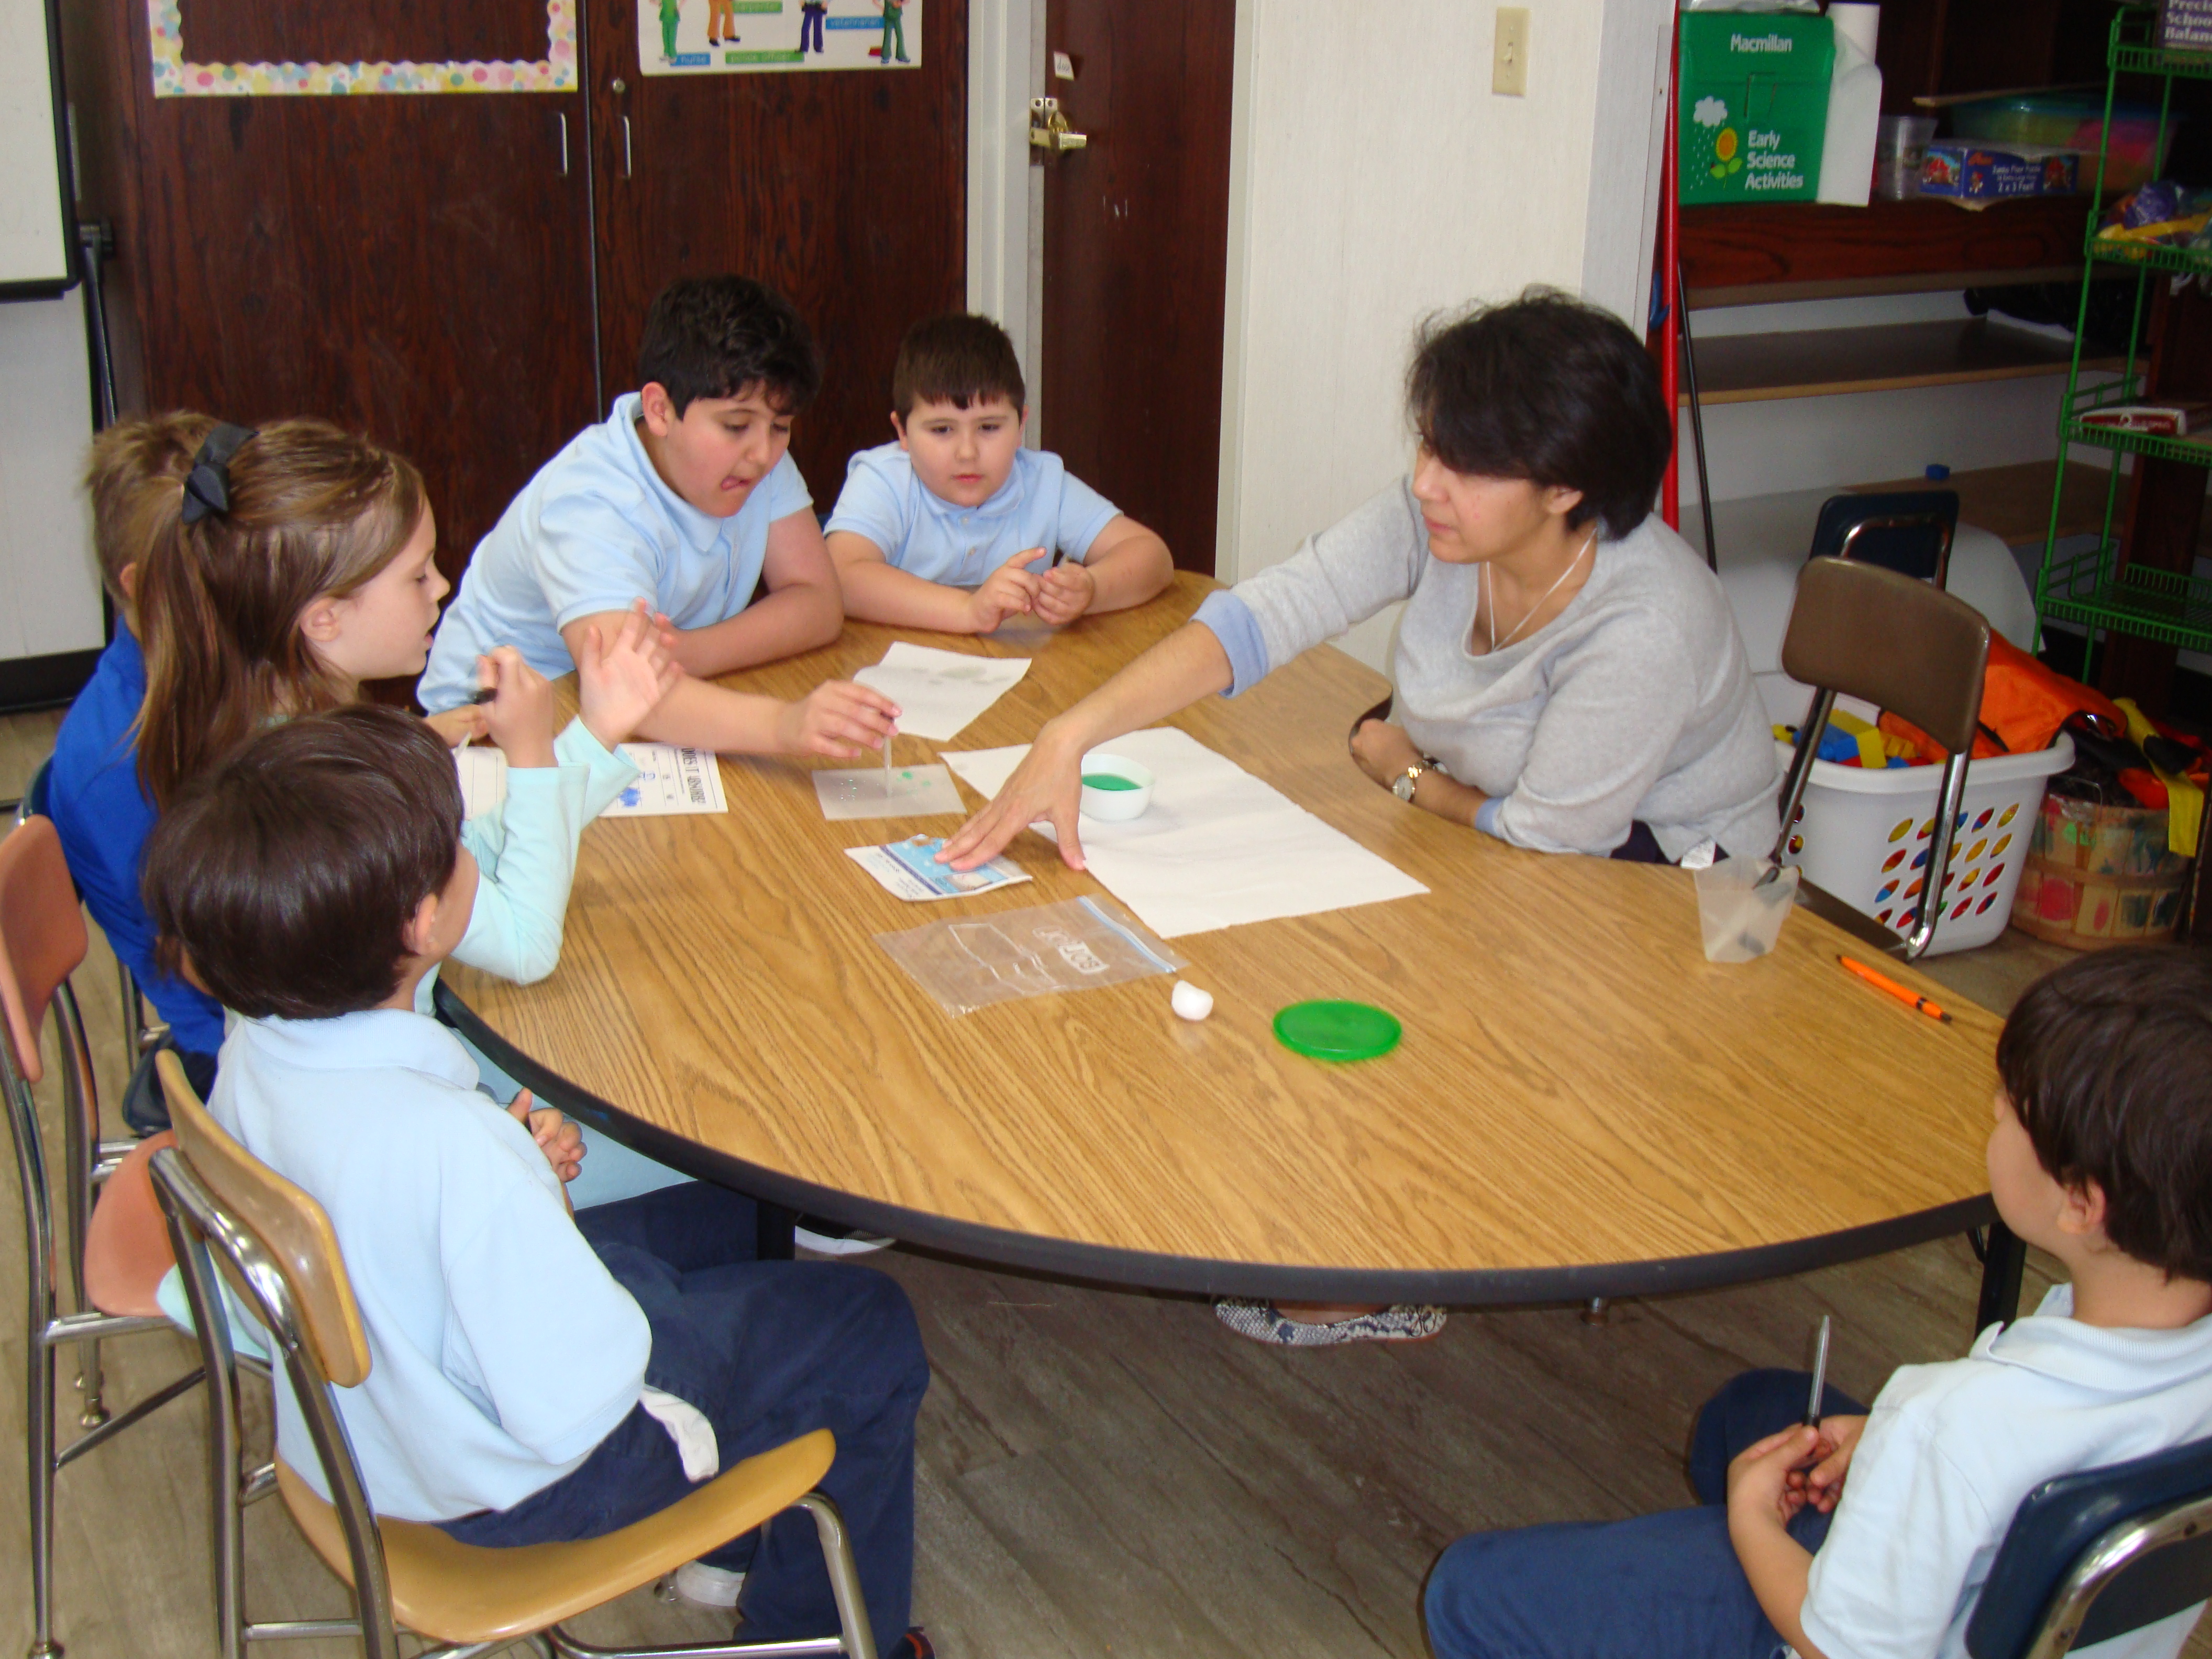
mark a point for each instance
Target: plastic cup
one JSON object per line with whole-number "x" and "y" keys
{"x": 1116, "y": 788}
{"x": 1739, "y": 919}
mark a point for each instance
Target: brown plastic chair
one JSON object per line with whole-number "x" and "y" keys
{"x": 1911, "y": 649}
{"x": 42, "y": 942}
{"x": 231, "y": 1215}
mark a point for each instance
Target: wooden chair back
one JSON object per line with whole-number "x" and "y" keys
{"x": 290, "y": 1226}
{"x": 42, "y": 937}
{"x": 1902, "y": 645}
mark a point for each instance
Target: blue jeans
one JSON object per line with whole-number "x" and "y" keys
{"x": 767, "y": 1350}
{"x": 1661, "y": 1584}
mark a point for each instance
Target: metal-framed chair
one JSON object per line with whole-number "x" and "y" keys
{"x": 1909, "y": 647}
{"x": 235, "y": 1221}
{"x": 104, "y": 1245}
{"x": 2094, "y": 1555}
{"x": 1909, "y": 531}
{"x": 139, "y": 1034}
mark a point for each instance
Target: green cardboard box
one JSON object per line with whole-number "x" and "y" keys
{"x": 1754, "y": 105}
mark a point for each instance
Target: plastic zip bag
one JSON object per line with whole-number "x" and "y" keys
{"x": 1074, "y": 946}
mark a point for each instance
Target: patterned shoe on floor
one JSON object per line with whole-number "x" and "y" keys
{"x": 1408, "y": 1322}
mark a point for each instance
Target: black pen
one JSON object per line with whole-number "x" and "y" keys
{"x": 1819, "y": 1376}
{"x": 485, "y": 694}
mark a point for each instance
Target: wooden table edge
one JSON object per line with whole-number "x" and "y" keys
{"x": 1102, "y": 1265}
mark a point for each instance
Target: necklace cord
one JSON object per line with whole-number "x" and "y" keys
{"x": 1490, "y": 605}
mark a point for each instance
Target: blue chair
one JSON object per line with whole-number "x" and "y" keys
{"x": 33, "y": 804}
{"x": 2095, "y": 1555}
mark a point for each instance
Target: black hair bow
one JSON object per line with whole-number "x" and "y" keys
{"x": 207, "y": 487}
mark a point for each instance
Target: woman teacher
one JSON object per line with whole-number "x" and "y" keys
{"x": 1567, "y": 674}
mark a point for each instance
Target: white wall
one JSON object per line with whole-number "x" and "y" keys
{"x": 49, "y": 587}
{"x": 1375, "y": 178}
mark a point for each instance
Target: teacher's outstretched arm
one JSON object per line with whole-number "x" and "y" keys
{"x": 1189, "y": 663}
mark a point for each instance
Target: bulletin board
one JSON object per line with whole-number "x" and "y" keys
{"x": 755, "y": 37}
{"x": 38, "y": 225}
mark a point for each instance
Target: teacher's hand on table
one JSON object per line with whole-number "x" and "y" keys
{"x": 1384, "y": 751}
{"x": 1047, "y": 786}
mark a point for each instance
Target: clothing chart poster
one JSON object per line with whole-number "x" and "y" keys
{"x": 755, "y": 37}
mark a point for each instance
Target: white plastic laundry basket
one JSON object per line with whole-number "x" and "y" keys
{"x": 1864, "y": 835}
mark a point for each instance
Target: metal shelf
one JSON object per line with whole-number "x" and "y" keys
{"x": 2094, "y": 590}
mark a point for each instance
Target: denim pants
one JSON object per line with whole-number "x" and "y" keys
{"x": 1661, "y": 1584}
{"x": 767, "y": 1350}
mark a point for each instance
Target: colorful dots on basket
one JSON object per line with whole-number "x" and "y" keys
{"x": 1927, "y": 829}
{"x": 1920, "y": 858}
{"x": 1796, "y": 843}
{"x": 1892, "y": 860}
{"x": 1996, "y": 874}
{"x": 1902, "y": 829}
{"x": 1997, "y": 851}
{"x": 1988, "y": 899}
{"x": 2009, "y": 813}
{"x": 1982, "y": 823}
{"x": 1975, "y": 851}
{"x": 1882, "y": 916}
{"x": 1961, "y": 908}
{"x": 1913, "y": 891}
{"x": 1883, "y": 896}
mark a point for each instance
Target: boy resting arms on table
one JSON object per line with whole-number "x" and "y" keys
{"x": 2101, "y": 1156}
{"x": 953, "y": 526}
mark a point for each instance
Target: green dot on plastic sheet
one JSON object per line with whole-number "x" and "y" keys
{"x": 1337, "y": 1030}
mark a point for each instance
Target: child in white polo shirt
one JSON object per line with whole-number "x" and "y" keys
{"x": 685, "y": 496}
{"x": 534, "y": 1376}
{"x": 956, "y": 526}
{"x": 1870, "y": 1537}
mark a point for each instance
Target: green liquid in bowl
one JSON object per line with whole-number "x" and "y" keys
{"x": 1109, "y": 780}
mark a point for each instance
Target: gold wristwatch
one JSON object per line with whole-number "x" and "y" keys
{"x": 1403, "y": 785}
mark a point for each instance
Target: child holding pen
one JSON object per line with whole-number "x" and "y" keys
{"x": 1870, "y": 1534}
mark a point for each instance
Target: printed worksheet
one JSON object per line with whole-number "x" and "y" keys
{"x": 939, "y": 692}
{"x": 908, "y": 869}
{"x": 669, "y": 781}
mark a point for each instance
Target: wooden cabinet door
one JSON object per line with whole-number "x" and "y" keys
{"x": 412, "y": 265}
{"x": 1136, "y": 259}
{"x": 846, "y": 189}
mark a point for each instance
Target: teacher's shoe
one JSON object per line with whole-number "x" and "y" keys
{"x": 1408, "y": 1322}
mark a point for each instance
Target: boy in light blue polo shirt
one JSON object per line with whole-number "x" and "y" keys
{"x": 956, "y": 526}
{"x": 686, "y": 495}
{"x": 534, "y": 1378}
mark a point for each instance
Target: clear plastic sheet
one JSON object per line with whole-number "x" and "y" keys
{"x": 1074, "y": 946}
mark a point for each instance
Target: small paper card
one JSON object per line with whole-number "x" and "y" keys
{"x": 939, "y": 692}
{"x": 909, "y": 870}
{"x": 916, "y": 791}
{"x": 669, "y": 781}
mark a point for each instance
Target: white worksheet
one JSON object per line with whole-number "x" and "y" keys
{"x": 939, "y": 692}
{"x": 1216, "y": 847}
{"x": 669, "y": 781}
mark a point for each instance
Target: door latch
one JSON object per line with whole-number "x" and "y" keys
{"x": 1048, "y": 128}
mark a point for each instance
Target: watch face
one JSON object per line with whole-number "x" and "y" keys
{"x": 1402, "y": 787}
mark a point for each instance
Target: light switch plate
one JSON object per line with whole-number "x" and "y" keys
{"x": 1509, "y": 61}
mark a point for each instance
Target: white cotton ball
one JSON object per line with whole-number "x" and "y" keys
{"x": 1187, "y": 1001}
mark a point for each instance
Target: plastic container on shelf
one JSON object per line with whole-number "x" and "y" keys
{"x": 1864, "y": 837}
{"x": 1900, "y": 144}
{"x": 2072, "y": 121}
{"x": 2099, "y": 876}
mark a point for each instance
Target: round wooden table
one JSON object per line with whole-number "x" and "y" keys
{"x": 1581, "y": 1105}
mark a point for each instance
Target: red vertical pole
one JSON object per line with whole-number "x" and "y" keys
{"x": 1669, "y": 290}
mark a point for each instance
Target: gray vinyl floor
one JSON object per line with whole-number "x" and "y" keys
{"x": 1100, "y": 1473}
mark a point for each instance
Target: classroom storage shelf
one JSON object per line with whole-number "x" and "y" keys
{"x": 2103, "y": 589}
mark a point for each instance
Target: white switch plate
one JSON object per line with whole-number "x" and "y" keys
{"x": 1509, "y": 60}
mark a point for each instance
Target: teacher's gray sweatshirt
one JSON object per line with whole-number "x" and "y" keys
{"x": 1635, "y": 702}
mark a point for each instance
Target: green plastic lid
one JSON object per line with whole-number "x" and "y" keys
{"x": 1337, "y": 1030}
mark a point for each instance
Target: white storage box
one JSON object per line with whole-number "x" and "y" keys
{"x": 1864, "y": 837}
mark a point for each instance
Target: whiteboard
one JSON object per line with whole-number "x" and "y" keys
{"x": 35, "y": 207}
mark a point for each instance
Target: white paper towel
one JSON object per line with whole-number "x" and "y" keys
{"x": 1854, "y": 106}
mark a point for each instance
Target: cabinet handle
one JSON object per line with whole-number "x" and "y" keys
{"x": 564, "y": 143}
{"x": 627, "y": 168}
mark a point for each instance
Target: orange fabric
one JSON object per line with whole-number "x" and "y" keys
{"x": 2022, "y": 702}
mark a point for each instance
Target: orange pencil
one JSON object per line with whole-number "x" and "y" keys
{"x": 1903, "y": 993}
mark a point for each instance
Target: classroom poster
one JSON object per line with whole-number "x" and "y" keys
{"x": 758, "y": 37}
{"x": 177, "y": 77}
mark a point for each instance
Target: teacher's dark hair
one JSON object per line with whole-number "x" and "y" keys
{"x": 284, "y": 880}
{"x": 1549, "y": 389}
{"x": 2108, "y": 1063}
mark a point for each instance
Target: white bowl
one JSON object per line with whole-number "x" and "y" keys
{"x": 1115, "y": 805}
